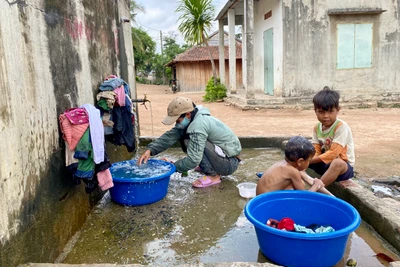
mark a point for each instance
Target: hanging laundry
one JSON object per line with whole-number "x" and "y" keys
{"x": 105, "y": 179}
{"x": 121, "y": 132}
{"x": 111, "y": 83}
{"x": 73, "y": 123}
{"x": 123, "y": 128}
{"x": 96, "y": 132}
{"x": 120, "y": 96}
{"x": 108, "y": 97}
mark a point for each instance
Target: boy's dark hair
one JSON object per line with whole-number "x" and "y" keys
{"x": 326, "y": 99}
{"x": 298, "y": 147}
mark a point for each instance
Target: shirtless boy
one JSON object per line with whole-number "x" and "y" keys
{"x": 286, "y": 174}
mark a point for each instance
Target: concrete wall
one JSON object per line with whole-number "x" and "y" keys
{"x": 53, "y": 55}
{"x": 261, "y": 25}
{"x": 310, "y": 45}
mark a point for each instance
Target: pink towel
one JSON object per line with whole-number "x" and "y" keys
{"x": 120, "y": 91}
{"x": 105, "y": 179}
{"x": 72, "y": 133}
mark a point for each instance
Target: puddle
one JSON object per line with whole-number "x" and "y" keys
{"x": 387, "y": 188}
{"x": 191, "y": 226}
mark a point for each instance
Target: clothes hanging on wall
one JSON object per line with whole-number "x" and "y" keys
{"x": 121, "y": 130}
{"x": 85, "y": 153}
{"x": 86, "y": 128}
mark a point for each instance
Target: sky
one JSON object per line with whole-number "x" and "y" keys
{"x": 160, "y": 15}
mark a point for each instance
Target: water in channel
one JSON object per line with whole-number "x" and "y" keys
{"x": 194, "y": 225}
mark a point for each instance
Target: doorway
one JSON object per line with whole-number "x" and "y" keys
{"x": 268, "y": 62}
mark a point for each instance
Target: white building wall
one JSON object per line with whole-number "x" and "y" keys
{"x": 310, "y": 45}
{"x": 261, "y": 25}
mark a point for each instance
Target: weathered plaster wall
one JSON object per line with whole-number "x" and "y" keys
{"x": 53, "y": 55}
{"x": 261, "y": 25}
{"x": 310, "y": 45}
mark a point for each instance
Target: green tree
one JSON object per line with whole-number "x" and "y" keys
{"x": 145, "y": 53}
{"x": 159, "y": 66}
{"x": 171, "y": 50}
{"x": 195, "y": 19}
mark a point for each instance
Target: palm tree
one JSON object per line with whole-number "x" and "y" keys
{"x": 135, "y": 8}
{"x": 195, "y": 23}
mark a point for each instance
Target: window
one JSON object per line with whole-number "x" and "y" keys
{"x": 354, "y": 48}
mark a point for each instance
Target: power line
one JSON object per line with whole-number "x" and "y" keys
{"x": 147, "y": 27}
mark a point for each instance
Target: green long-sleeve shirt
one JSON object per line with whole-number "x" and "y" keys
{"x": 202, "y": 128}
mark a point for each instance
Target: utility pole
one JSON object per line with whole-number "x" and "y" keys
{"x": 162, "y": 57}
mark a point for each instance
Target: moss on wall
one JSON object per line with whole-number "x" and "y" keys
{"x": 53, "y": 207}
{"x": 48, "y": 218}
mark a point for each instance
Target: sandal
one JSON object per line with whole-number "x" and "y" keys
{"x": 205, "y": 182}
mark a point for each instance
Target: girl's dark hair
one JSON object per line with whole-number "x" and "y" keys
{"x": 326, "y": 99}
{"x": 298, "y": 147}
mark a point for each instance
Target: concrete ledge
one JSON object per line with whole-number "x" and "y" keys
{"x": 351, "y": 101}
{"x": 246, "y": 141}
{"x": 257, "y": 141}
{"x": 383, "y": 214}
{"x": 219, "y": 264}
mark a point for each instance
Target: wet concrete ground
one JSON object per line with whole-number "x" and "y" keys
{"x": 191, "y": 226}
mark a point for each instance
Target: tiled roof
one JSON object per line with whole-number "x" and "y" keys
{"x": 200, "y": 53}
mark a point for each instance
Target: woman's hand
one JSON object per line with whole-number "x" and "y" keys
{"x": 144, "y": 157}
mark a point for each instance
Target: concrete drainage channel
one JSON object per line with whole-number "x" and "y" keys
{"x": 220, "y": 264}
{"x": 383, "y": 214}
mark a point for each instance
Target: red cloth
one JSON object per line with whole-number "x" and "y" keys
{"x": 286, "y": 224}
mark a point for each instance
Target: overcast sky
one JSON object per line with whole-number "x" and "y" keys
{"x": 160, "y": 16}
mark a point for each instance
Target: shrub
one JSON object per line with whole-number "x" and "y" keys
{"x": 141, "y": 80}
{"x": 214, "y": 92}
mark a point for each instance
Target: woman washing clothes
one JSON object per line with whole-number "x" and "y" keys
{"x": 207, "y": 142}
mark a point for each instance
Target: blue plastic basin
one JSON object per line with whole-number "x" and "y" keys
{"x": 132, "y": 190}
{"x": 305, "y": 208}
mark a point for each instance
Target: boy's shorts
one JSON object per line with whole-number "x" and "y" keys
{"x": 321, "y": 168}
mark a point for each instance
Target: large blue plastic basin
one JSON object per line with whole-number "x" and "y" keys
{"x": 305, "y": 208}
{"x": 131, "y": 190}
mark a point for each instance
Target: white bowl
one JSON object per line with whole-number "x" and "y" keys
{"x": 247, "y": 189}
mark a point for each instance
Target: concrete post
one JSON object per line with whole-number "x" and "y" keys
{"x": 232, "y": 51}
{"x": 249, "y": 59}
{"x": 221, "y": 51}
{"x": 244, "y": 68}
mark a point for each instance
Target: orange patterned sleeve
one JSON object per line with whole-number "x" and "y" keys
{"x": 317, "y": 148}
{"x": 332, "y": 153}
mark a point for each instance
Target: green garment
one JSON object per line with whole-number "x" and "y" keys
{"x": 83, "y": 152}
{"x": 203, "y": 128}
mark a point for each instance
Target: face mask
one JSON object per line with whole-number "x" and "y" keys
{"x": 183, "y": 124}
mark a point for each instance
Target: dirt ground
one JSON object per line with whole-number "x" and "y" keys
{"x": 376, "y": 131}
